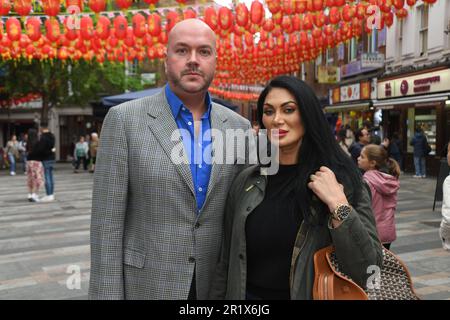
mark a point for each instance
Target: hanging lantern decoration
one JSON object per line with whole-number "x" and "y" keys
{"x": 124, "y": 4}
{"x": 163, "y": 38}
{"x": 411, "y": 3}
{"x": 242, "y": 15}
{"x": 402, "y": 13}
{"x": 334, "y": 15}
{"x": 151, "y": 3}
{"x": 317, "y": 5}
{"x": 129, "y": 38}
{"x": 86, "y": 28}
{"x": 182, "y": 3}
{"x": 63, "y": 53}
{"x": 398, "y": 4}
{"x": 97, "y": 5}
{"x": 120, "y": 27}
{"x": 388, "y": 19}
{"x": 75, "y": 4}
{"x": 274, "y": 6}
{"x": 256, "y": 12}
{"x": 268, "y": 25}
{"x": 189, "y": 14}
{"x": 51, "y": 7}
{"x": 33, "y": 26}
{"x": 429, "y": 1}
{"x": 70, "y": 32}
{"x": 154, "y": 24}
{"x": 13, "y": 29}
{"x": 211, "y": 18}
{"x": 22, "y": 7}
{"x": 53, "y": 31}
{"x": 102, "y": 29}
{"x": 225, "y": 18}
{"x": 5, "y": 6}
{"x": 348, "y": 12}
{"x": 172, "y": 19}
{"x": 319, "y": 19}
{"x": 139, "y": 27}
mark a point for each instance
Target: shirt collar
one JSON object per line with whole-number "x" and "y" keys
{"x": 175, "y": 103}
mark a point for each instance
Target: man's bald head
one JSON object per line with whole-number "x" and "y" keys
{"x": 194, "y": 26}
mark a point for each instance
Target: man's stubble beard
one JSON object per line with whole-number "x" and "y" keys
{"x": 177, "y": 83}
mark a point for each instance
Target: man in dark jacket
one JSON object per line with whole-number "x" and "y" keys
{"x": 48, "y": 161}
{"x": 362, "y": 137}
{"x": 420, "y": 143}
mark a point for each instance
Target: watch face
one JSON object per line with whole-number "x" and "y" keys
{"x": 343, "y": 211}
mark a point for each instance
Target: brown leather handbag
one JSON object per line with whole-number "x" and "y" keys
{"x": 332, "y": 284}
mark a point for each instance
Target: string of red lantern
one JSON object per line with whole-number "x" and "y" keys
{"x": 251, "y": 47}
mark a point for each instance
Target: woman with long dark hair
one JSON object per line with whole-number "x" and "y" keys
{"x": 275, "y": 223}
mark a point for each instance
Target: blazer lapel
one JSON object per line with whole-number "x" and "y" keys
{"x": 163, "y": 126}
{"x": 218, "y": 122}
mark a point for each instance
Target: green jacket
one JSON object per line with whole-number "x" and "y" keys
{"x": 356, "y": 241}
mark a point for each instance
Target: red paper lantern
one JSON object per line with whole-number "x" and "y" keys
{"x": 74, "y": 4}
{"x": 152, "y": 3}
{"x": 139, "y": 27}
{"x": 348, "y": 12}
{"x": 124, "y": 4}
{"x": 51, "y": 7}
{"x": 63, "y": 53}
{"x": 411, "y": 3}
{"x": 189, "y": 14}
{"x": 86, "y": 28}
{"x": 211, "y": 18}
{"x": 172, "y": 19}
{"x": 5, "y": 6}
{"x": 102, "y": 29}
{"x": 268, "y": 25}
{"x": 22, "y": 7}
{"x": 97, "y": 5}
{"x": 154, "y": 24}
{"x": 307, "y": 22}
{"x": 242, "y": 14}
{"x": 429, "y": 2}
{"x": 120, "y": 27}
{"x": 319, "y": 19}
{"x": 53, "y": 31}
{"x": 129, "y": 39}
{"x": 33, "y": 26}
{"x": 388, "y": 19}
{"x": 225, "y": 18}
{"x": 317, "y": 5}
{"x": 256, "y": 12}
{"x": 334, "y": 15}
{"x": 13, "y": 29}
{"x": 70, "y": 32}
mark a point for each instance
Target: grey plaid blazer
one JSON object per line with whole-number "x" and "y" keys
{"x": 146, "y": 238}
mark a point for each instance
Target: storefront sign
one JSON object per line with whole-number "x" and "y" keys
{"x": 335, "y": 95}
{"x": 372, "y": 60}
{"x": 419, "y": 84}
{"x": 350, "y": 92}
{"x": 365, "y": 90}
{"x": 328, "y": 74}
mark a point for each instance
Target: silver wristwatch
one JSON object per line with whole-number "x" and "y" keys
{"x": 341, "y": 212}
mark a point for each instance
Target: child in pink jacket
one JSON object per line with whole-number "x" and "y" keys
{"x": 381, "y": 173}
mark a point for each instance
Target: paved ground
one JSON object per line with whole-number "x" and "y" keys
{"x": 43, "y": 245}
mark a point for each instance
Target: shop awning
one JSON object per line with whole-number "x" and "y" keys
{"x": 389, "y": 103}
{"x": 347, "y": 107}
{"x": 112, "y": 101}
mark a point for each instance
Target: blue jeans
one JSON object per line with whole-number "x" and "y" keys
{"x": 420, "y": 165}
{"x": 48, "y": 170}
{"x": 12, "y": 162}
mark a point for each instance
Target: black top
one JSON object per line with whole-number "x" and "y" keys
{"x": 48, "y": 141}
{"x": 271, "y": 230}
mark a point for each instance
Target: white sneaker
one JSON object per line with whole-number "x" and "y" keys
{"x": 13, "y": 173}
{"x": 48, "y": 198}
{"x": 29, "y": 197}
{"x": 34, "y": 198}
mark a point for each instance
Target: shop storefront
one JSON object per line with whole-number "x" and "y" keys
{"x": 352, "y": 103}
{"x": 418, "y": 100}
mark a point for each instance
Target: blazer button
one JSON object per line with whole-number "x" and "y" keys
{"x": 197, "y": 225}
{"x": 241, "y": 256}
{"x": 191, "y": 259}
{"x": 249, "y": 208}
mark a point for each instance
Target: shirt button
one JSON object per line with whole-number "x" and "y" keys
{"x": 191, "y": 259}
{"x": 190, "y": 123}
{"x": 249, "y": 208}
{"x": 200, "y": 166}
{"x": 200, "y": 189}
{"x": 241, "y": 256}
{"x": 184, "y": 109}
{"x": 197, "y": 225}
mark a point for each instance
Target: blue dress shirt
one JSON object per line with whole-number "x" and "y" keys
{"x": 199, "y": 160}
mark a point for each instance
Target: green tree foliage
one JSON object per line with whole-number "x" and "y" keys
{"x": 64, "y": 82}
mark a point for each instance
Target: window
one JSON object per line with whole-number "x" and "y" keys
{"x": 330, "y": 54}
{"x": 423, "y": 30}
{"x": 131, "y": 68}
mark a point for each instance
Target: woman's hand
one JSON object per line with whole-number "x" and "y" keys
{"x": 325, "y": 186}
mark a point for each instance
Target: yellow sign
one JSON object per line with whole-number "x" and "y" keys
{"x": 329, "y": 74}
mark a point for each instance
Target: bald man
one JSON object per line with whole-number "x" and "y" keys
{"x": 158, "y": 199}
